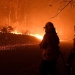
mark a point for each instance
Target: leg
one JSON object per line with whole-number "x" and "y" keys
{"x": 43, "y": 68}
{"x": 52, "y": 68}
{"x": 71, "y": 58}
{"x": 69, "y": 63}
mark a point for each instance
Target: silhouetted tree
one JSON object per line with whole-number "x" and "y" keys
{"x": 27, "y": 32}
{"x": 63, "y": 4}
{"x": 4, "y": 30}
{"x": 9, "y": 29}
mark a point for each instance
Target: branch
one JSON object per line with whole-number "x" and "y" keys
{"x": 61, "y": 9}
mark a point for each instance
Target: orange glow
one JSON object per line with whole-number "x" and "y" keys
{"x": 16, "y": 32}
{"x": 37, "y": 36}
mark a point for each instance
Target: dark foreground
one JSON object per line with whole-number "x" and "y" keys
{"x": 26, "y": 60}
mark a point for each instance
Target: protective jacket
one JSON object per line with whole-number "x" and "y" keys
{"x": 50, "y": 46}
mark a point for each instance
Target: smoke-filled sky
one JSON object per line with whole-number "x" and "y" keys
{"x": 32, "y": 15}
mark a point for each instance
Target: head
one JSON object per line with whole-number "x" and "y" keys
{"x": 49, "y": 27}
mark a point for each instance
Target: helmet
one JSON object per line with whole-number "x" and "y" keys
{"x": 49, "y": 25}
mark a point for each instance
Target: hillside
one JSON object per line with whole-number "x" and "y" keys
{"x": 10, "y": 39}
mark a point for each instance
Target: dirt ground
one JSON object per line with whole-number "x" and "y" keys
{"x": 26, "y": 60}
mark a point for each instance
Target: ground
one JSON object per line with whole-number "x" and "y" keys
{"x": 26, "y": 60}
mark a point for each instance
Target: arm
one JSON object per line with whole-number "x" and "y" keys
{"x": 43, "y": 43}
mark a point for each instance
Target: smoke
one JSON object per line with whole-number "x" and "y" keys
{"x": 22, "y": 15}
{"x": 31, "y": 15}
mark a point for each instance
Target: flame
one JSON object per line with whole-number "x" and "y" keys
{"x": 37, "y": 36}
{"x": 16, "y": 32}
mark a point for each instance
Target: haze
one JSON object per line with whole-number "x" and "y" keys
{"x": 32, "y": 15}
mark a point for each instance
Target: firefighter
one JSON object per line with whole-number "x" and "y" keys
{"x": 69, "y": 64}
{"x": 70, "y": 59}
{"x": 50, "y": 50}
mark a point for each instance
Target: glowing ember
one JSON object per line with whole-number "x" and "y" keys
{"x": 37, "y": 36}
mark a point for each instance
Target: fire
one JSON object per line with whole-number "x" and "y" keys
{"x": 37, "y": 36}
{"x": 16, "y": 32}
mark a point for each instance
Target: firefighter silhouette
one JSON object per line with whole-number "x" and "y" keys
{"x": 71, "y": 58}
{"x": 50, "y": 50}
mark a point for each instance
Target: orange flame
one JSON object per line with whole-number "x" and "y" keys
{"x": 16, "y": 32}
{"x": 37, "y": 36}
